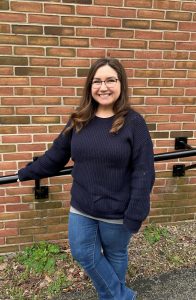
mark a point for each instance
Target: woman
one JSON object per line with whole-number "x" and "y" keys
{"x": 113, "y": 176}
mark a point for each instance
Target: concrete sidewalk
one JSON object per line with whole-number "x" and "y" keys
{"x": 175, "y": 285}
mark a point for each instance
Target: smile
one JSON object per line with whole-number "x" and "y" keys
{"x": 104, "y": 95}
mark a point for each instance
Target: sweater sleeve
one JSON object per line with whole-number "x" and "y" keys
{"x": 142, "y": 177}
{"x": 51, "y": 162}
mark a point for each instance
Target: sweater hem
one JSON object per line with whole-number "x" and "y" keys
{"x": 97, "y": 215}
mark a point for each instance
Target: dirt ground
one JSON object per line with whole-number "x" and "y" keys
{"x": 162, "y": 266}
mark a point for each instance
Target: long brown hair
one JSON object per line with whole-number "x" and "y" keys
{"x": 88, "y": 106}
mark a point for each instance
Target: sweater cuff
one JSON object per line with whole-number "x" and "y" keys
{"x": 132, "y": 225}
{"x": 22, "y": 175}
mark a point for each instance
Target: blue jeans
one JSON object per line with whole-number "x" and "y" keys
{"x": 101, "y": 249}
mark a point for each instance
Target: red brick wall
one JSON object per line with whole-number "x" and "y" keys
{"x": 46, "y": 48}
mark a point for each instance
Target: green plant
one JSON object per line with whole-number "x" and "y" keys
{"x": 56, "y": 286}
{"x": 154, "y": 233}
{"x": 176, "y": 260}
{"x": 2, "y": 258}
{"x": 22, "y": 276}
{"x": 40, "y": 257}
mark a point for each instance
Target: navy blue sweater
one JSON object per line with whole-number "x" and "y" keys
{"x": 113, "y": 174}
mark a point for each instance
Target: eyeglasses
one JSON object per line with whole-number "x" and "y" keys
{"x": 110, "y": 83}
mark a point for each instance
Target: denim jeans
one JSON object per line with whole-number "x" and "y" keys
{"x": 101, "y": 249}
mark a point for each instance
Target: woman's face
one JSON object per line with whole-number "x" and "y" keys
{"x": 106, "y": 87}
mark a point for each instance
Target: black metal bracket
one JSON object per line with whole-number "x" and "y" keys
{"x": 40, "y": 192}
{"x": 181, "y": 143}
{"x": 178, "y": 170}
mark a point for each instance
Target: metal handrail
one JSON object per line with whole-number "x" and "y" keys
{"x": 174, "y": 154}
{"x": 14, "y": 178}
{"x": 67, "y": 170}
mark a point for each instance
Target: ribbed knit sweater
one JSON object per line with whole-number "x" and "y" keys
{"x": 113, "y": 174}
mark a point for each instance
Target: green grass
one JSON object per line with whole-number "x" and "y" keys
{"x": 154, "y": 233}
{"x": 37, "y": 263}
{"x": 40, "y": 258}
